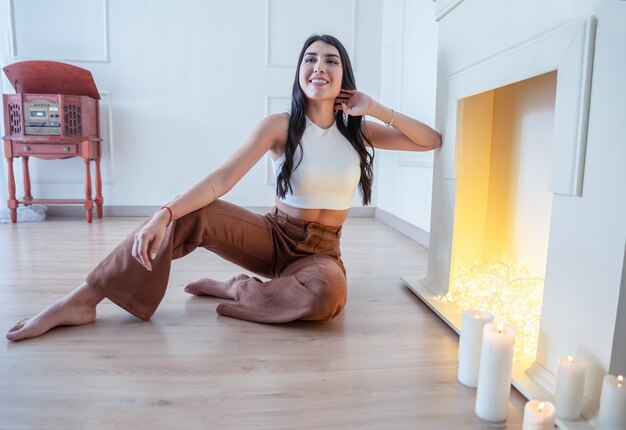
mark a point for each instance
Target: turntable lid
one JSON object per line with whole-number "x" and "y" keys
{"x": 51, "y": 77}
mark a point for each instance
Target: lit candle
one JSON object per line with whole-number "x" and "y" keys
{"x": 472, "y": 324}
{"x": 612, "y": 414}
{"x": 494, "y": 376}
{"x": 570, "y": 388}
{"x": 538, "y": 416}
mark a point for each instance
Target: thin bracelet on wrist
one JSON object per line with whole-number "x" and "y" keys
{"x": 170, "y": 212}
{"x": 393, "y": 116}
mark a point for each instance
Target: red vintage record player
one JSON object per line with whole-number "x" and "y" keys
{"x": 54, "y": 114}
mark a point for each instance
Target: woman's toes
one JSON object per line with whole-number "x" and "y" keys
{"x": 16, "y": 332}
{"x": 197, "y": 287}
{"x": 18, "y": 325}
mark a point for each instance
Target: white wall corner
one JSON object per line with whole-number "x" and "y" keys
{"x": 409, "y": 230}
{"x": 618, "y": 357}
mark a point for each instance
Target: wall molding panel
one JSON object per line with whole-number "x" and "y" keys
{"x": 65, "y": 40}
{"x": 444, "y": 7}
{"x": 415, "y": 159}
{"x": 281, "y": 48}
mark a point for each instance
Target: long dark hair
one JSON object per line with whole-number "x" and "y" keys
{"x": 350, "y": 126}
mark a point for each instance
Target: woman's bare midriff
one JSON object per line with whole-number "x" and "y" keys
{"x": 329, "y": 217}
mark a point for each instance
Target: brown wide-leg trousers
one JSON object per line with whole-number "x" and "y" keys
{"x": 302, "y": 260}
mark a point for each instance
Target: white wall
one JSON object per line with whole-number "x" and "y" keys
{"x": 4, "y": 42}
{"x": 183, "y": 82}
{"x": 409, "y": 74}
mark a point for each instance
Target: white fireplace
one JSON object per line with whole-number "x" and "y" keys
{"x": 537, "y": 198}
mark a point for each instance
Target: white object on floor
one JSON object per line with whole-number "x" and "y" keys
{"x": 25, "y": 214}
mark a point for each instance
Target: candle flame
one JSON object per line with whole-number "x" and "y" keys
{"x": 541, "y": 406}
{"x": 500, "y": 327}
{"x": 620, "y": 381}
{"x": 570, "y": 358}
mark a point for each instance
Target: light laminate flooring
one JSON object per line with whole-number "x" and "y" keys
{"x": 386, "y": 362}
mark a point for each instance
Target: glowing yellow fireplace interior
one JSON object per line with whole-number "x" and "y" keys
{"x": 502, "y": 210}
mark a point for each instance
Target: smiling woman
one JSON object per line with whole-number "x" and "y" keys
{"x": 323, "y": 84}
{"x": 323, "y": 151}
{"x": 320, "y": 71}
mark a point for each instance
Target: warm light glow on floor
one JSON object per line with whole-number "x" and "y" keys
{"x": 506, "y": 290}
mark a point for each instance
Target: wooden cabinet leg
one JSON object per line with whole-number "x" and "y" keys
{"x": 88, "y": 201}
{"x": 27, "y": 195}
{"x": 12, "y": 203}
{"x": 99, "y": 198}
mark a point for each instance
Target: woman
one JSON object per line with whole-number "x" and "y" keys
{"x": 320, "y": 156}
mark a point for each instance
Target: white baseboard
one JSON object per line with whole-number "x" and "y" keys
{"x": 412, "y": 232}
{"x": 144, "y": 211}
{"x": 121, "y": 211}
{"x": 108, "y": 211}
{"x": 362, "y": 212}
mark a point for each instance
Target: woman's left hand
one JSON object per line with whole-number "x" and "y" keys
{"x": 354, "y": 102}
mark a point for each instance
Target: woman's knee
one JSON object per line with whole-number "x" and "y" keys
{"x": 328, "y": 298}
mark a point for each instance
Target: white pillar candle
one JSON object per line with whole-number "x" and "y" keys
{"x": 470, "y": 343}
{"x": 612, "y": 414}
{"x": 570, "y": 388}
{"x": 538, "y": 415}
{"x": 494, "y": 376}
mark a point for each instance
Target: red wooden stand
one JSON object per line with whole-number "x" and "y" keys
{"x": 51, "y": 148}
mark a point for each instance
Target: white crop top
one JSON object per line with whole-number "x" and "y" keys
{"x": 329, "y": 172}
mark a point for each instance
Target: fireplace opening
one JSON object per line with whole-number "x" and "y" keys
{"x": 503, "y": 204}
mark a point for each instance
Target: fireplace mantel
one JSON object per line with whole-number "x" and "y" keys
{"x": 568, "y": 50}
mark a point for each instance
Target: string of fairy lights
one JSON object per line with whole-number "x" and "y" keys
{"x": 506, "y": 290}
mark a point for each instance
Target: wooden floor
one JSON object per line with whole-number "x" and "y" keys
{"x": 386, "y": 362}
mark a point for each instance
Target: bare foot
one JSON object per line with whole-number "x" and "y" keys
{"x": 77, "y": 308}
{"x": 211, "y": 287}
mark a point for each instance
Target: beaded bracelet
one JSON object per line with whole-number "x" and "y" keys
{"x": 170, "y": 211}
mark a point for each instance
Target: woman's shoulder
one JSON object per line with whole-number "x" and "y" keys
{"x": 278, "y": 119}
{"x": 274, "y": 127}
{"x": 276, "y": 124}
